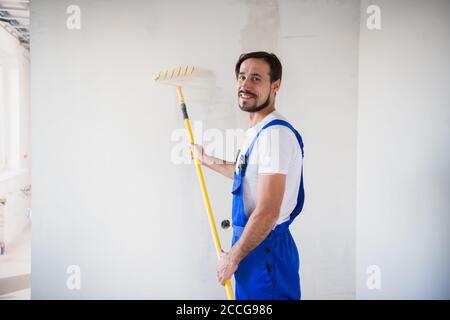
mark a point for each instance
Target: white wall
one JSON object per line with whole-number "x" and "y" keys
{"x": 107, "y": 196}
{"x": 15, "y": 134}
{"x": 403, "y": 151}
{"x": 319, "y": 47}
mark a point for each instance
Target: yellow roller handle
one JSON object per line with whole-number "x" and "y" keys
{"x": 201, "y": 179}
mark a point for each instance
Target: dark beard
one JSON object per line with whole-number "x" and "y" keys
{"x": 257, "y": 108}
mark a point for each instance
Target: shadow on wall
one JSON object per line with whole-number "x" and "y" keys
{"x": 13, "y": 284}
{"x": 262, "y": 30}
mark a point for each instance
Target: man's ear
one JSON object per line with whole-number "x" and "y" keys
{"x": 276, "y": 85}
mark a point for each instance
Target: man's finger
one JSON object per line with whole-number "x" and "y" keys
{"x": 222, "y": 280}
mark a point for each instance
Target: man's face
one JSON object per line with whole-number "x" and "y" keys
{"x": 255, "y": 91}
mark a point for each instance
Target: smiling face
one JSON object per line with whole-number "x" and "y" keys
{"x": 254, "y": 88}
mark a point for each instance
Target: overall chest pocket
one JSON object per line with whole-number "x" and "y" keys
{"x": 237, "y": 183}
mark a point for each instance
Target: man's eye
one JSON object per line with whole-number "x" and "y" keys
{"x": 241, "y": 78}
{"x": 255, "y": 79}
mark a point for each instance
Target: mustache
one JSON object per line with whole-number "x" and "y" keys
{"x": 247, "y": 92}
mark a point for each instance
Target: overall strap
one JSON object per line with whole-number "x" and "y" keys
{"x": 301, "y": 193}
{"x": 274, "y": 123}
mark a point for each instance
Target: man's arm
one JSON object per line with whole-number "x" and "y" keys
{"x": 221, "y": 166}
{"x": 270, "y": 196}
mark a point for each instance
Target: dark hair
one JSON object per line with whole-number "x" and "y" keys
{"x": 271, "y": 59}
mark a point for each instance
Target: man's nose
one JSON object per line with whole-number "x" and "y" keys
{"x": 245, "y": 85}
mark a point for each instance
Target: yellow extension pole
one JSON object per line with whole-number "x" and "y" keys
{"x": 201, "y": 179}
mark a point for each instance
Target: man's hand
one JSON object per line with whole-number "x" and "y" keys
{"x": 198, "y": 151}
{"x": 226, "y": 267}
{"x": 221, "y": 166}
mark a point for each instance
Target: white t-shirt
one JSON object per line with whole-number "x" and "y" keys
{"x": 275, "y": 151}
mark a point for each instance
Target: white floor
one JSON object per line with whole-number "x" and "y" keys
{"x": 15, "y": 269}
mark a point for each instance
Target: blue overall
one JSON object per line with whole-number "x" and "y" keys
{"x": 271, "y": 270}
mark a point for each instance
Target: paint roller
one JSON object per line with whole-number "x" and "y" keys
{"x": 189, "y": 75}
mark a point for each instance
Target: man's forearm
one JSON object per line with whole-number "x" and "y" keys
{"x": 221, "y": 166}
{"x": 256, "y": 230}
